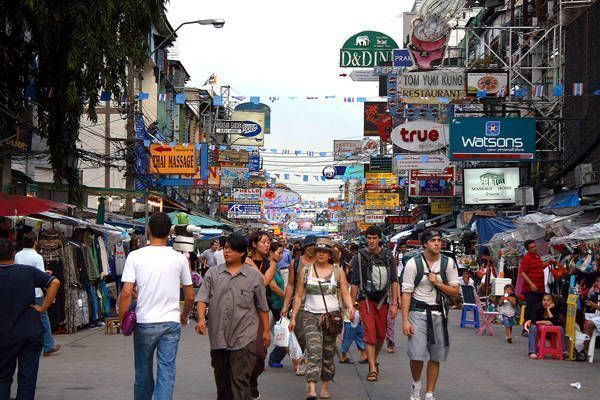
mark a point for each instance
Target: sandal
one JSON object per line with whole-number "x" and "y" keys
{"x": 365, "y": 361}
{"x": 327, "y": 396}
{"x": 372, "y": 377}
{"x": 311, "y": 397}
{"x": 346, "y": 360}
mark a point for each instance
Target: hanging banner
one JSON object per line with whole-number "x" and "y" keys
{"x": 381, "y": 200}
{"x": 449, "y": 84}
{"x": 279, "y": 198}
{"x": 375, "y": 117}
{"x": 381, "y": 181}
{"x": 254, "y": 163}
{"x": 432, "y": 162}
{"x": 233, "y": 177}
{"x": 489, "y": 82}
{"x": 490, "y": 185}
{"x": 367, "y": 49}
{"x": 432, "y": 184}
{"x": 177, "y": 160}
{"x": 246, "y": 194}
{"x": 421, "y": 136}
{"x": 347, "y": 150}
{"x": 244, "y": 210}
{"x": 493, "y": 139}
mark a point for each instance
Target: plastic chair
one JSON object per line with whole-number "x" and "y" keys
{"x": 464, "y": 320}
{"x": 554, "y": 335}
{"x": 592, "y": 346}
{"x": 487, "y": 318}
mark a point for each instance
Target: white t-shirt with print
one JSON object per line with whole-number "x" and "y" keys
{"x": 426, "y": 292}
{"x": 158, "y": 272}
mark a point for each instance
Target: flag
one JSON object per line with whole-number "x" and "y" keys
{"x": 180, "y": 98}
{"x": 330, "y": 97}
{"x": 322, "y": 154}
{"x": 348, "y": 99}
{"x": 443, "y": 100}
{"x": 578, "y": 89}
{"x": 361, "y": 99}
{"x": 144, "y": 96}
{"x": 254, "y": 99}
{"x": 539, "y": 90}
{"x": 310, "y": 153}
{"x": 239, "y": 98}
{"x": 501, "y": 92}
{"x": 162, "y": 97}
{"x": 105, "y": 96}
{"x": 305, "y": 178}
{"x": 558, "y": 90}
{"x": 212, "y": 80}
{"x": 285, "y": 151}
{"x": 297, "y": 152}
{"x": 273, "y": 99}
{"x": 481, "y": 94}
{"x": 286, "y": 177}
{"x": 217, "y": 101}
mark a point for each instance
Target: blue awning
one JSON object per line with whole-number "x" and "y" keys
{"x": 565, "y": 199}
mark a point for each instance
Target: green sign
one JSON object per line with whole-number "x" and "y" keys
{"x": 367, "y": 49}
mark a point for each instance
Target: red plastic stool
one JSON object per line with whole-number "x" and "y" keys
{"x": 554, "y": 334}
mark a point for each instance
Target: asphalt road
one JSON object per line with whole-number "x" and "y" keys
{"x": 93, "y": 366}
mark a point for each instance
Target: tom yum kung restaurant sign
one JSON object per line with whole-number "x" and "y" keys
{"x": 439, "y": 83}
{"x": 367, "y": 49}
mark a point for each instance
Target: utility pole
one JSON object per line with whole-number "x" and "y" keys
{"x": 130, "y": 154}
{"x": 106, "y": 143}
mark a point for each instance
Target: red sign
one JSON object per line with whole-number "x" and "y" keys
{"x": 432, "y": 183}
{"x": 400, "y": 219}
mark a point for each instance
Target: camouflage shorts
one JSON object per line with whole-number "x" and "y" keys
{"x": 320, "y": 349}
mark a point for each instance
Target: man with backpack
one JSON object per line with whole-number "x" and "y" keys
{"x": 427, "y": 280}
{"x": 375, "y": 286}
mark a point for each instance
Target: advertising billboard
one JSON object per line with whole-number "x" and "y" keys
{"x": 375, "y": 117}
{"x": 490, "y": 82}
{"x": 432, "y": 183}
{"x": 436, "y": 83}
{"x": 381, "y": 180}
{"x": 421, "y": 135}
{"x": 381, "y": 200}
{"x": 492, "y": 139}
{"x": 233, "y": 177}
{"x": 177, "y": 160}
{"x": 246, "y": 194}
{"x": 253, "y": 132}
{"x": 367, "y": 49}
{"x": 407, "y": 161}
{"x": 347, "y": 149}
{"x": 244, "y": 211}
{"x": 490, "y": 185}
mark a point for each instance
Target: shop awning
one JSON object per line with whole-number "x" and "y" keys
{"x": 565, "y": 199}
{"x": 14, "y": 205}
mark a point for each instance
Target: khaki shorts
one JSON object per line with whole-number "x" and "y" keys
{"x": 418, "y": 348}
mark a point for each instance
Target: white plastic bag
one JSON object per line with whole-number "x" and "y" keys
{"x": 281, "y": 332}
{"x": 294, "y": 348}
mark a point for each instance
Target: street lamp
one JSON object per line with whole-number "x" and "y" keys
{"x": 217, "y": 23}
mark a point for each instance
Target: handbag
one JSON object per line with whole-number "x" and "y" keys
{"x": 331, "y": 322}
{"x": 128, "y": 324}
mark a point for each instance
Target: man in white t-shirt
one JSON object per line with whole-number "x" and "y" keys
{"x": 157, "y": 271}
{"x": 219, "y": 256}
{"x": 29, "y": 256}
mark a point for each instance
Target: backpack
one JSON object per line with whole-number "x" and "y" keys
{"x": 421, "y": 269}
{"x": 377, "y": 282}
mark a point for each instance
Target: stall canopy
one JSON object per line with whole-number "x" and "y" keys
{"x": 565, "y": 199}
{"x": 13, "y": 205}
{"x": 488, "y": 227}
{"x": 203, "y": 222}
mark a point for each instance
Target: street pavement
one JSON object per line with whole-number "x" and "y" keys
{"x": 92, "y": 365}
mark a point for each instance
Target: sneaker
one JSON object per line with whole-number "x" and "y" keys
{"x": 533, "y": 356}
{"x": 275, "y": 365}
{"x": 52, "y": 351}
{"x": 429, "y": 396}
{"x": 415, "y": 391}
{"x": 525, "y": 334}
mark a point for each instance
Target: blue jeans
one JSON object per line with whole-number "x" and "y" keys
{"x": 27, "y": 355}
{"x": 164, "y": 338}
{"x": 48, "y": 339}
{"x": 356, "y": 335}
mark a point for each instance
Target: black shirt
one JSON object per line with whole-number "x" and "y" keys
{"x": 20, "y": 321}
{"x": 538, "y": 315}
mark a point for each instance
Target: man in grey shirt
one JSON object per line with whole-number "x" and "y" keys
{"x": 236, "y": 292}
{"x": 208, "y": 256}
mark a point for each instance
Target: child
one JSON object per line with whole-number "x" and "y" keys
{"x": 507, "y": 306}
{"x": 353, "y": 333}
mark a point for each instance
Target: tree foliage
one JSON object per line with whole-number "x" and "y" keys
{"x": 71, "y": 50}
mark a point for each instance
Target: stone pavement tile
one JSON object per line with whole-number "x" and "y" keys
{"x": 92, "y": 366}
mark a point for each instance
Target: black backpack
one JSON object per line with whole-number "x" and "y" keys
{"x": 377, "y": 282}
{"x": 421, "y": 269}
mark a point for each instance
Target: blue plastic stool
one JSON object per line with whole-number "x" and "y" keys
{"x": 464, "y": 321}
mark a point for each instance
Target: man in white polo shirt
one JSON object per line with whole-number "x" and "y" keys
{"x": 158, "y": 271}
{"x": 29, "y": 256}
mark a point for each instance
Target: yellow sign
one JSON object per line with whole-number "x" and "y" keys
{"x": 167, "y": 160}
{"x": 570, "y": 323}
{"x": 381, "y": 201}
{"x": 440, "y": 207}
{"x": 381, "y": 180}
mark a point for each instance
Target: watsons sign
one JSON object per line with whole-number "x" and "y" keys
{"x": 448, "y": 83}
{"x": 420, "y": 136}
{"x": 367, "y": 49}
{"x": 490, "y": 185}
{"x": 492, "y": 139}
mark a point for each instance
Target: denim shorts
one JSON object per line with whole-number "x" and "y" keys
{"x": 507, "y": 321}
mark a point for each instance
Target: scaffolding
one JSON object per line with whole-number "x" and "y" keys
{"x": 532, "y": 55}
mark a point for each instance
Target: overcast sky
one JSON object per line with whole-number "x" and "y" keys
{"x": 282, "y": 48}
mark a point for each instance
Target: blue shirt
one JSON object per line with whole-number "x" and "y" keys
{"x": 19, "y": 320}
{"x": 286, "y": 260}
